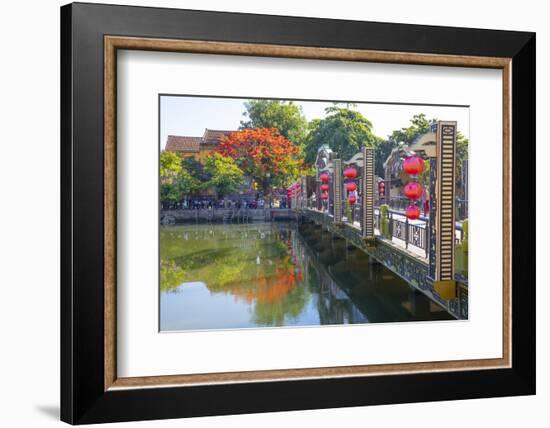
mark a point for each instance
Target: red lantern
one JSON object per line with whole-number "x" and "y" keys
{"x": 381, "y": 189}
{"x": 350, "y": 172}
{"x": 352, "y": 199}
{"x": 324, "y": 196}
{"x": 351, "y": 186}
{"x": 324, "y": 177}
{"x": 324, "y": 187}
{"x": 413, "y": 165}
{"x": 413, "y": 212}
{"x": 413, "y": 190}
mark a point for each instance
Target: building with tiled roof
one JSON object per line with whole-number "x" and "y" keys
{"x": 211, "y": 137}
{"x": 176, "y": 143}
{"x": 197, "y": 147}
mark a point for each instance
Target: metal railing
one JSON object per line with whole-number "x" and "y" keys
{"x": 400, "y": 203}
{"x": 415, "y": 234}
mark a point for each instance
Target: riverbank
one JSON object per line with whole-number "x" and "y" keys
{"x": 225, "y": 215}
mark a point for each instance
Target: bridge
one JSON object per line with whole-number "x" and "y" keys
{"x": 424, "y": 251}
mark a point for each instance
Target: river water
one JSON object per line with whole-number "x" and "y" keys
{"x": 276, "y": 274}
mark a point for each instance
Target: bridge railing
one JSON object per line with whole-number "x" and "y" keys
{"x": 412, "y": 233}
{"x": 400, "y": 203}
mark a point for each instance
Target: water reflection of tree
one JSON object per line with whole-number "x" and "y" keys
{"x": 171, "y": 275}
{"x": 256, "y": 266}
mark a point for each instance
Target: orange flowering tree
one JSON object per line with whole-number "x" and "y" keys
{"x": 265, "y": 155}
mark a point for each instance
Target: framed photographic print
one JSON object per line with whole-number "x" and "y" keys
{"x": 264, "y": 213}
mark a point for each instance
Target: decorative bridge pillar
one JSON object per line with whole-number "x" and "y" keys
{"x": 337, "y": 190}
{"x": 444, "y": 216}
{"x": 367, "y": 195}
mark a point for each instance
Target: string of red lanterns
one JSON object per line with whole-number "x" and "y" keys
{"x": 351, "y": 173}
{"x": 413, "y": 166}
{"x": 293, "y": 191}
{"x": 324, "y": 177}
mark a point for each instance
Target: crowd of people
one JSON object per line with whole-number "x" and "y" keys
{"x": 227, "y": 203}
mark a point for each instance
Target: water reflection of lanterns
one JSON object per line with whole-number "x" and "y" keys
{"x": 350, "y": 172}
{"x": 324, "y": 187}
{"x": 413, "y": 165}
{"x": 413, "y": 190}
{"x": 412, "y": 212}
{"x": 324, "y": 177}
{"x": 351, "y": 186}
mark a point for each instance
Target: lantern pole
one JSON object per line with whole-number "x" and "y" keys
{"x": 444, "y": 282}
{"x": 367, "y": 195}
{"x": 337, "y": 190}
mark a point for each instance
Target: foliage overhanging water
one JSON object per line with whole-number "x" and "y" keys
{"x": 276, "y": 274}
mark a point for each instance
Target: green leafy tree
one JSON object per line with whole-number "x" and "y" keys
{"x": 285, "y": 116}
{"x": 419, "y": 125}
{"x": 194, "y": 168}
{"x": 169, "y": 193}
{"x": 170, "y": 167}
{"x": 176, "y": 178}
{"x": 186, "y": 183}
{"x": 225, "y": 175}
{"x": 344, "y": 129}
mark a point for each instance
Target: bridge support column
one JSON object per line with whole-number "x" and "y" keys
{"x": 444, "y": 283}
{"x": 418, "y": 302}
{"x": 337, "y": 190}
{"x": 367, "y": 195}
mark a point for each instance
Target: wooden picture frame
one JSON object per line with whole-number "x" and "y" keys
{"x": 91, "y": 390}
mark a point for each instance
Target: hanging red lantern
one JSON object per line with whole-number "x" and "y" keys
{"x": 324, "y": 187}
{"x": 352, "y": 199}
{"x": 413, "y": 190}
{"x": 413, "y": 165}
{"x": 324, "y": 196}
{"x": 381, "y": 189}
{"x": 351, "y": 186}
{"x": 324, "y": 177}
{"x": 412, "y": 212}
{"x": 350, "y": 172}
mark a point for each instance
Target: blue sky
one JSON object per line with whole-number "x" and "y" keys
{"x": 189, "y": 116}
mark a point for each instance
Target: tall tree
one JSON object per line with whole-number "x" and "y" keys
{"x": 225, "y": 175}
{"x": 263, "y": 154}
{"x": 344, "y": 129}
{"x": 285, "y": 116}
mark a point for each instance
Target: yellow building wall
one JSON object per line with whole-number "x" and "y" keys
{"x": 200, "y": 156}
